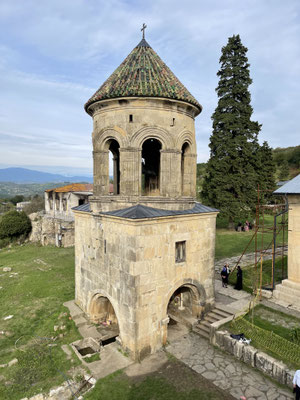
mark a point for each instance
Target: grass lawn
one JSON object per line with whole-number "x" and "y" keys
{"x": 173, "y": 381}
{"x": 230, "y": 243}
{"x": 44, "y": 281}
{"x": 271, "y": 332}
{"x": 250, "y": 278}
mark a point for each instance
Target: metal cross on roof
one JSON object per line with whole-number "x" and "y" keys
{"x": 143, "y": 29}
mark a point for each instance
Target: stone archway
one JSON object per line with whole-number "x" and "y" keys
{"x": 184, "y": 307}
{"x": 102, "y": 313}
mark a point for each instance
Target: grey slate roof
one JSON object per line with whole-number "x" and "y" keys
{"x": 291, "y": 187}
{"x": 84, "y": 207}
{"x": 141, "y": 212}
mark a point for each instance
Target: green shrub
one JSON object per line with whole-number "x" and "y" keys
{"x": 13, "y": 224}
{"x": 4, "y": 242}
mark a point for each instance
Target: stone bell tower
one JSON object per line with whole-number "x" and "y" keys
{"x": 148, "y": 245}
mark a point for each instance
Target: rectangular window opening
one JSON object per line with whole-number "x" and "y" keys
{"x": 104, "y": 246}
{"x": 130, "y": 118}
{"x": 180, "y": 251}
{"x": 173, "y": 122}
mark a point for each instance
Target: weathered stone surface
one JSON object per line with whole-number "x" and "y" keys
{"x": 228, "y": 343}
{"x": 289, "y": 377}
{"x": 238, "y": 350}
{"x": 229, "y": 373}
{"x": 6, "y": 269}
{"x": 249, "y": 355}
{"x": 264, "y": 363}
{"x": 279, "y": 372}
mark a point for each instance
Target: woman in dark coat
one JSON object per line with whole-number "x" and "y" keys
{"x": 239, "y": 279}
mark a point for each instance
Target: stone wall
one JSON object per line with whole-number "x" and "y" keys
{"x": 51, "y": 231}
{"x": 132, "y": 263}
{"x": 171, "y": 123}
{"x": 257, "y": 359}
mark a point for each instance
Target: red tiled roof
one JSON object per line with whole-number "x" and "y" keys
{"x": 73, "y": 187}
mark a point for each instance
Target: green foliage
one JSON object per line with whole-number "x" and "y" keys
{"x": 284, "y": 170}
{"x": 94, "y": 357}
{"x": 287, "y": 161}
{"x": 266, "y": 172}
{"x": 13, "y": 224}
{"x": 17, "y": 199}
{"x": 295, "y": 335}
{"x": 236, "y": 159}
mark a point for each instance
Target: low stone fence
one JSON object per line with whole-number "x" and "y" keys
{"x": 249, "y": 355}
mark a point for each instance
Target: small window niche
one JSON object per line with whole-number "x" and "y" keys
{"x": 130, "y": 118}
{"x": 173, "y": 122}
{"x": 180, "y": 251}
{"x": 104, "y": 246}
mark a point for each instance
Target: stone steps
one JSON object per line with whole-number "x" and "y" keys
{"x": 203, "y": 327}
{"x": 288, "y": 292}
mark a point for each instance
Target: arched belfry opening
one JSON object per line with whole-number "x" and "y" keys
{"x": 151, "y": 167}
{"x": 114, "y": 166}
{"x": 185, "y": 170}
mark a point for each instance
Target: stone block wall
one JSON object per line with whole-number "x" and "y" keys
{"x": 257, "y": 359}
{"x": 132, "y": 263}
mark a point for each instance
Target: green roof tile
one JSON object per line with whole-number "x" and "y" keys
{"x": 143, "y": 74}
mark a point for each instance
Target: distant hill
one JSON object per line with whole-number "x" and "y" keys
{"x": 23, "y": 175}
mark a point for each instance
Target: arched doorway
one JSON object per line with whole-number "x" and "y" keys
{"x": 183, "y": 310}
{"x": 151, "y": 167}
{"x": 102, "y": 314}
{"x": 185, "y": 170}
{"x": 114, "y": 167}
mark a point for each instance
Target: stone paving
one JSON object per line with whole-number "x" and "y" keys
{"x": 225, "y": 371}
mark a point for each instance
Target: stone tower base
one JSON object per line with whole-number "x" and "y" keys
{"x": 129, "y": 271}
{"x": 288, "y": 292}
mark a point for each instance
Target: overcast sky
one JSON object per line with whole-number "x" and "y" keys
{"x": 55, "y": 54}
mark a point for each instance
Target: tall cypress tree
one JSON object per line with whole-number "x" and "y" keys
{"x": 231, "y": 179}
{"x": 266, "y": 172}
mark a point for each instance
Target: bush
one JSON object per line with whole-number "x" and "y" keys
{"x": 13, "y": 224}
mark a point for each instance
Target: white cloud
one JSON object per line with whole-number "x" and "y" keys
{"x": 54, "y": 55}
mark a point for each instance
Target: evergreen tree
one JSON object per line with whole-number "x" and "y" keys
{"x": 266, "y": 169}
{"x": 231, "y": 180}
{"x": 284, "y": 170}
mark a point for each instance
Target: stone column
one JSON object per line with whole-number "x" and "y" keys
{"x": 130, "y": 170}
{"x": 101, "y": 173}
{"x": 60, "y": 202}
{"x": 294, "y": 239}
{"x": 170, "y": 171}
{"x": 47, "y": 202}
{"x": 189, "y": 175}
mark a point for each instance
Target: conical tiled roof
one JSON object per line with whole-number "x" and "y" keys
{"x": 143, "y": 74}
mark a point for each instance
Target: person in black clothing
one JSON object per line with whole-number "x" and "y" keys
{"x": 239, "y": 279}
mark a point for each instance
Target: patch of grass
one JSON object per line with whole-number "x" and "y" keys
{"x": 34, "y": 297}
{"x": 94, "y": 357}
{"x": 251, "y": 278}
{"x": 269, "y": 336}
{"x": 230, "y": 243}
